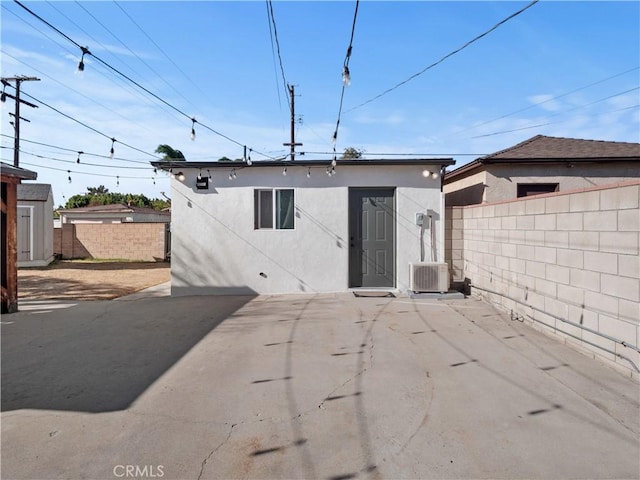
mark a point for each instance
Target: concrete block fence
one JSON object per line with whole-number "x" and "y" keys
{"x": 567, "y": 263}
{"x": 123, "y": 241}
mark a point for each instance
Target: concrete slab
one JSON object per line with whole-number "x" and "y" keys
{"x": 305, "y": 386}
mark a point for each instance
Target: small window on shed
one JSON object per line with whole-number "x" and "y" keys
{"x": 528, "y": 189}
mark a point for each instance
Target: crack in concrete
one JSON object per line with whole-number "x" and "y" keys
{"x": 212, "y": 452}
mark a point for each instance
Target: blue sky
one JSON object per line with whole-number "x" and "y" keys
{"x": 562, "y": 67}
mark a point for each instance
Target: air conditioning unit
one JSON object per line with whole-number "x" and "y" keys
{"x": 429, "y": 277}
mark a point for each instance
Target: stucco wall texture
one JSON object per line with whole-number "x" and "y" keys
{"x": 217, "y": 250}
{"x": 572, "y": 255}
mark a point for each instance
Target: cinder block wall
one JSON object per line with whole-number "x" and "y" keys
{"x": 126, "y": 241}
{"x": 572, "y": 256}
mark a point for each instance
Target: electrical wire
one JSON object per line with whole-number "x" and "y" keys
{"x": 77, "y": 151}
{"x": 72, "y": 89}
{"x": 86, "y": 51}
{"x": 473, "y": 40}
{"x": 562, "y": 113}
{"x": 74, "y": 161}
{"x": 272, "y": 20}
{"x": 88, "y": 126}
{"x": 89, "y": 173}
{"x": 543, "y": 102}
{"x": 346, "y": 73}
{"x": 158, "y": 75}
{"x": 159, "y": 48}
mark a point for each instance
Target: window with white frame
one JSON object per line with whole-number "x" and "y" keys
{"x": 273, "y": 209}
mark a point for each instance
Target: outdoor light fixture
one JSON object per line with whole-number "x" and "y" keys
{"x": 284, "y": 171}
{"x": 346, "y": 76}
{"x": 193, "y": 128}
{"x": 334, "y": 162}
{"x": 180, "y": 176}
{"x": 118, "y": 181}
{"x": 435, "y": 175}
{"x": 79, "y": 153}
{"x": 309, "y": 172}
{"x": 69, "y": 172}
{"x": 85, "y": 51}
{"x": 202, "y": 183}
{"x": 111, "y": 152}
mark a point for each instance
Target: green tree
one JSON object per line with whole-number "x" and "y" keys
{"x": 170, "y": 154}
{"x": 102, "y": 196}
{"x": 351, "y": 153}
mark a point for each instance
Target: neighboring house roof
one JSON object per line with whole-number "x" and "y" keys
{"x": 113, "y": 208}
{"x": 543, "y": 149}
{"x": 38, "y": 192}
{"x": 18, "y": 173}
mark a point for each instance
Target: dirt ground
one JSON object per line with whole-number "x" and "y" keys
{"x": 81, "y": 280}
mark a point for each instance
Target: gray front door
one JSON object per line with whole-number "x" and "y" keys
{"x": 372, "y": 250}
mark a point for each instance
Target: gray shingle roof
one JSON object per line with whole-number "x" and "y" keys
{"x": 34, "y": 191}
{"x": 543, "y": 147}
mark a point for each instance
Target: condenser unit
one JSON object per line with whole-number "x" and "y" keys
{"x": 429, "y": 277}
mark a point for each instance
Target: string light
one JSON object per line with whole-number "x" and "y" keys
{"x": 334, "y": 162}
{"x": 346, "y": 76}
{"x": 79, "y": 153}
{"x": 117, "y": 181}
{"x": 3, "y": 97}
{"x": 69, "y": 173}
{"x": 85, "y": 51}
{"x": 193, "y": 128}
{"x": 284, "y": 171}
{"x": 180, "y": 176}
{"x": 309, "y": 172}
{"x": 249, "y": 162}
{"x": 209, "y": 174}
{"x": 111, "y": 152}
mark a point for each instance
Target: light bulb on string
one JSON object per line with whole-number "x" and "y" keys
{"x": 112, "y": 151}
{"x": 249, "y": 162}
{"x": 334, "y": 162}
{"x": 209, "y": 173}
{"x": 309, "y": 172}
{"x": 69, "y": 172}
{"x": 193, "y": 128}
{"x": 284, "y": 171}
{"x": 333, "y": 171}
{"x": 334, "y": 137}
{"x": 435, "y": 175}
{"x": 85, "y": 51}
{"x": 346, "y": 76}
{"x": 118, "y": 181}
{"x": 79, "y": 153}
{"x": 3, "y": 97}
{"x": 154, "y": 180}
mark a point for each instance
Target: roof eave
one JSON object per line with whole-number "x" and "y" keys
{"x": 164, "y": 165}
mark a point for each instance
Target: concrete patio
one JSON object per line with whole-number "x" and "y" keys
{"x": 309, "y": 386}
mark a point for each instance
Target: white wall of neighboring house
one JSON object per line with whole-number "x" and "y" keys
{"x": 216, "y": 250}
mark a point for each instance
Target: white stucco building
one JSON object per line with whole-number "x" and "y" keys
{"x": 292, "y": 227}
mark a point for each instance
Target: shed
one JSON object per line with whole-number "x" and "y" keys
{"x": 35, "y": 225}
{"x": 303, "y": 226}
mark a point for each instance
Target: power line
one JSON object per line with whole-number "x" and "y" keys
{"x": 89, "y": 173}
{"x": 113, "y": 140}
{"x": 86, "y": 51}
{"x": 44, "y": 157}
{"x": 475, "y": 39}
{"x": 561, "y": 113}
{"x": 159, "y": 48}
{"x": 272, "y": 20}
{"x": 544, "y": 101}
{"x": 160, "y": 76}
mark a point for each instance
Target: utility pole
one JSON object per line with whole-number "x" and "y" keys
{"x": 16, "y": 115}
{"x": 293, "y": 143}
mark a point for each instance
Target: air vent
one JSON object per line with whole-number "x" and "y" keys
{"x": 429, "y": 277}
